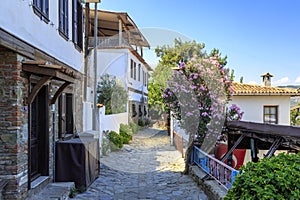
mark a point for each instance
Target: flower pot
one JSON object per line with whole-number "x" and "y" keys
{"x": 238, "y": 155}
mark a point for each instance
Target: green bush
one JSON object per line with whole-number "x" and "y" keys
{"x": 147, "y": 122}
{"x": 116, "y": 139}
{"x": 126, "y": 132}
{"x": 134, "y": 127}
{"x": 275, "y": 178}
{"x": 141, "y": 123}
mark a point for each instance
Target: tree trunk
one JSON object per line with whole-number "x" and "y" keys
{"x": 188, "y": 155}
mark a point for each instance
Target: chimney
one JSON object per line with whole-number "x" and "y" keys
{"x": 267, "y": 79}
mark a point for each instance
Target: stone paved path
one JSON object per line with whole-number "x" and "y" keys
{"x": 148, "y": 168}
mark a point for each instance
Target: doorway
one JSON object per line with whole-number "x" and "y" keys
{"x": 39, "y": 135}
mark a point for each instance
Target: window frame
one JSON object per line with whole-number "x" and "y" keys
{"x": 270, "y": 115}
{"x": 133, "y": 107}
{"x": 63, "y": 18}
{"x": 77, "y": 24}
{"x": 139, "y": 72}
{"x": 65, "y": 116}
{"x": 41, "y": 9}
{"x": 134, "y": 64}
{"x": 131, "y": 68}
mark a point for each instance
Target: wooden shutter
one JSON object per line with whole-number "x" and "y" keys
{"x": 46, "y": 7}
{"x": 80, "y": 25}
{"x": 66, "y": 17}
{"x": 61, "y": 15}
{"x": 75, "y": 23}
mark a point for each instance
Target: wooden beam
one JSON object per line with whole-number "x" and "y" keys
{"x": 37, "y": 88}
{"x": 38, "y": 70}
{"x": 254, "y": 151}
{"x": 232, "y": 148}
{"x": 48, "y": 72}
{"x": 34, "y": 62}
{"x": 11, "y": 42}
{"x": 277, "y": 142}
{"x": 64, "y": 77}
{"x": 59, "y": 91}
{"x": 51, "y": 66}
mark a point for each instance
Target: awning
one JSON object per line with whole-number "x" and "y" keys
{"x": 48, "y": 72}
{"x": 267, "y": 133}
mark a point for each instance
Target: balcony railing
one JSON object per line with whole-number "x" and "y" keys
{"x": 216, "y": 169}
{"x": 109, "y": 42}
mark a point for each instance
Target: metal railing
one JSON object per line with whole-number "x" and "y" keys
{"x": 216, "y": 169}
{"x": 110, "y": 42}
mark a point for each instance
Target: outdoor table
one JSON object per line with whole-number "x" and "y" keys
{"x": 77, "y": 161}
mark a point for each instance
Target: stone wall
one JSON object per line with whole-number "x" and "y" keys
{"x": 13, "y": 125}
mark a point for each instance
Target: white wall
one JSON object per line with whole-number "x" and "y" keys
{"x": 252, "y": 106}
{"x": 180, "y": 131}
{"x": 138, "y": 85}
{"x": 18, "y": 18}
{"x": 87, "y": 122}
{"x": 111, "y": 122}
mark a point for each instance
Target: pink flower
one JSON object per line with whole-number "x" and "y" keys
{"x": 204, "y": 114}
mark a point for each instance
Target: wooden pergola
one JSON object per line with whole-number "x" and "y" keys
{"x": 254, "y": 136}
{"x": 48, "y": 72}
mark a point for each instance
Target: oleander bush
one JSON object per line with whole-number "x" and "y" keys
{"x": 275, "y": 178}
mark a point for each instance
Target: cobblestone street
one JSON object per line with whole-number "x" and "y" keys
{"x": 148, "y": 168}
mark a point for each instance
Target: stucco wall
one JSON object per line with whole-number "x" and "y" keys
{"x": 252, "y": 106}
{"x": 112, "y": 122}
{"x": 21, "y": 21}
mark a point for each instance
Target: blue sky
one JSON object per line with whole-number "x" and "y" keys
{"x": 258, "y": 36}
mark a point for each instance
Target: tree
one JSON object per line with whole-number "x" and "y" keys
{"x": 170, "y": 57}
{"x": 197, "y": 95}
{"x": 241, "y": 79}
{"x": 112, "y": 94}
{"x": 295, "y": 116}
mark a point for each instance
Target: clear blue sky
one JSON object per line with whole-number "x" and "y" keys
{"x": 258, "y": 36}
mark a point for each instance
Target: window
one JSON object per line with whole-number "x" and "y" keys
{"x": 41, "y": 8}
{"x": 145, "y": 111}
{"x": 140, "y": 111}
{"x": 134, "y": 113}
{"x": 77, "y": 24}
{"x": 146, "y": 78}
{"x": 63, "y": 18}
{"x": 65, "y": 113}
{"x": 134, "y": 71}
{"x": 131, "y": 68}
{"x": 271, "y": 114}
{"x": 139, "y": 73}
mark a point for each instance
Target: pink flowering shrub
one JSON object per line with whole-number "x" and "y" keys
{"x": 197, "y": 96}
{"x": 234, "y": 113}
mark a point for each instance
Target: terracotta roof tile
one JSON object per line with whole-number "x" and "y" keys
{"x": 248, "y": 89}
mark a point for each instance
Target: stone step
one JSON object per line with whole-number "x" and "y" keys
{"x": 54, "y": 191}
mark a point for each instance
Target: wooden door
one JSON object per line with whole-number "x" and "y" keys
{"x": 39, "y": 135}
